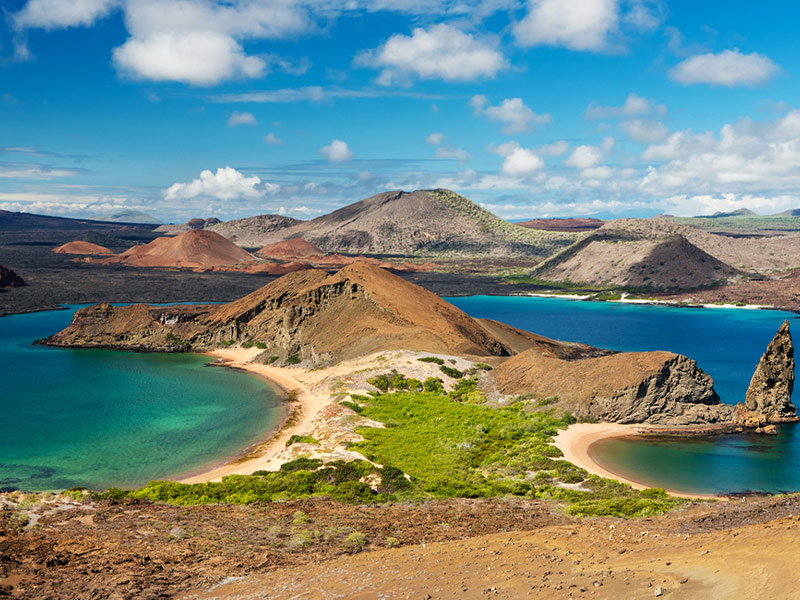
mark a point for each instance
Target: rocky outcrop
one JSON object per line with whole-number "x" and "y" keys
{"x": 9, "y": 279}
{"x": 319, "y": 317}
{"x": 769, "y": 396}
{"x": 659, "y": 388}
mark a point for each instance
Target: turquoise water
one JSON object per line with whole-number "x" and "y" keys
{"x": 726, "y": 343}
{"x": 101, "y": 418}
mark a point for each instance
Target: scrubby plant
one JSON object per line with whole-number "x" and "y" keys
{"x": 355, "y": 542}
{"x": 432, "y": 359}
{"x": 433, "y": 384}
{"x": 392, "y": 542}
{"x": 300, "y": 439}
{"x": 451, "y": 372}
{"x": 293, "y": 359}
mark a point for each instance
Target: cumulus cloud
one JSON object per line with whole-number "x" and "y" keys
{"x": 439, "y": 52}
{"x": 555, "y": 149}
{"x": 574, "y": 24}
{"x": 517, "y": 161}
{"x": 241, "y": 118}
{"x": 226, "y": 184}
{"x": 645, "y": 130}
{"x": 56, "y": 14}
{"x": 336, "y": 151}
{"x": 513, "y": 113}
{"x": 272, "y": 139}
{"x": 745, "y": 157}
{"x": 729, "y": 68}
{"x": 634, "y": 105}
{"x": 586, "y": 157}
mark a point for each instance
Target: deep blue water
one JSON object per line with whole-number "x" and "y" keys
{"x": 726, "y": 343}
{"x": 101, "y": 418}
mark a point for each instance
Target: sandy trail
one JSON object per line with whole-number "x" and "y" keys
{"x": 576, "y": 441}
{"x": 303, "y": 410}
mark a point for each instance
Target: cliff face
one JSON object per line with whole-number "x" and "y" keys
{"x": 630, "y": 387}
{"x": 321, "y": 318}
{"x": 769, "y": 396}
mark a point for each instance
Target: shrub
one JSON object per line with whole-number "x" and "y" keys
{"x": 355, "y": 542}
{"x": 226, "y": 343}
{"x": 293, "y": 359}
{"x": 433, "y": 384}
{"x": 451, "y": 372}
{"x": 300, "y": 439}
{"x": 482, "y": 366}
{"x": 300, "y": 517}
{"x": 352, "y": 406}
{"x": 392, "y": 542}
{"x": 270, "y": 360}
{"x": 431, "y": 359}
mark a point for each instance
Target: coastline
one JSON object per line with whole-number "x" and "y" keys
{"x": 263, "y": 456}
{"x": 576, "y": 440}
{"x": 655, "y": 302}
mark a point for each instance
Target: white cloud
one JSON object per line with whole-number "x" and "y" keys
{"x": 729, "y": 68}
{"x": 226, "y": 184}
{"x": 517, "y": 161}
{"x": 453, "y": 153}
{"x": 272, "y": 139}
{"x": 336, "y": 151}
{"x": 575, "y": 24}
{"x": 198, "y": 41}
{"x": 634, "y": 105}
{"x": 56, "y": 14}
{"x": 241, "y": 118}
{"x": 644, "y": 15}
{"x": 645, "y": 130}
{"x": 746, "y": 157}
{"x": 555, "y": 149}
{"x": 584, "y": 157}
{"x": 435, "y": 139}
{"x": 439, "y": 52}
{"x": 512, "y": 112}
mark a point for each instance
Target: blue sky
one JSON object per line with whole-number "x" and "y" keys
{"x": 537, "y": 108}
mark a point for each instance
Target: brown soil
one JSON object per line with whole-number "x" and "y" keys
{"x": 195, "y": 249}
{"x": 293, "y": 249}
{"x": 500, "y": 548}
{"x": 79, "y": 247}
{"x": 570, "y": 224}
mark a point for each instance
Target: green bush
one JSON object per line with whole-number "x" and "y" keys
{"x": 451, "y": 372}
{"x": 433, "y": 384}
{"x": 355, "y": 542}
{"x": 300, "y": 439}
{"x": 270, "y": 360}
{"x": 431, "y": 359}
{"x": 293, "y": 359}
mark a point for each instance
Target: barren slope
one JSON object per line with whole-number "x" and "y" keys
{"x": 251, "y": 231}
{"x": 295, "y": 248}
{"x": 80, "y": 247}
{"x": 196, "y": 249}
{"x": 425, "y": 222}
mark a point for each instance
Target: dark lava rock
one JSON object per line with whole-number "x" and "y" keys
{"x": 9, "y": 279}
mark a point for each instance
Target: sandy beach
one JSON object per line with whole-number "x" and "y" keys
{"x": 577, "y": 439}
{"x": 303, "y": 410}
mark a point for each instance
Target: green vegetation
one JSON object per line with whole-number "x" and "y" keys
{"x": 174, "y": 340}
{"x": 301, "y": 439}
{"x": 252, "y": 342}
{"x": 395, "y": 381}
{"x": 226, "y": 343}
{"x": 482, "y": 366}
{"x": 293, "y": 359}
{"x": 743, "y": 223}
{"x": 434, "y": 445}
{"x": 270, "y": 360}
{"x": 451, "y": 372}
{"x": 355, "y": 542}
{"x": 432, "y": 359}
{"x": 433, "y": 384}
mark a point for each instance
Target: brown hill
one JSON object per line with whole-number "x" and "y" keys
{"x": 424, "y": 222}
{"x": 629, "y": 387}
{"x": 321, "y": 318}
{"x": 570, "y": 224}
{"x": 196, "y": 223}
{"x": 80, "y": 247}
{"x": 293, "y": 249}
{"x": 9, "y": 279}
{"x": 251, "y": 231}
{"x": 195, "y": 249}
{"x": 616, "y": 255}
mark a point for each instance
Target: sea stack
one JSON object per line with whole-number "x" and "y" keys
{"x": 769, "y": 397}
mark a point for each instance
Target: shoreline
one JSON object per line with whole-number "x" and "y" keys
{"x": 656, "y": 302}
{"x": 576, "y": 441}
{"x": 262, "y": 456}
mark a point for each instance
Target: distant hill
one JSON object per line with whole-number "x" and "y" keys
{"x": 792, "y": 212}
{"x": 127, "y": 216}
{"x": 20, "y": 221}
{"x": 423, "y": 223}
{"x": 195, "y": 249}
{"x": 569, "y": 224}
{"x": 663, "y": 254}
{"x": 742, "y": 212}
{"x": 251, "y": 231}
{"x": 196, "y": 223}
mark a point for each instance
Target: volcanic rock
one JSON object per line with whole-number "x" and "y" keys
{"x": 9, "y": 279}
{"x": 570, "y": 224}
{"x": 196, "y": 249}
{"x": 769, "y": 396}
{"x": 629, "y": 387}
{"x": 81, "y": 247}
{"x": 251, "y": 231}
{"x": 293, "y": 249}
{"x": 320, "y": 317}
